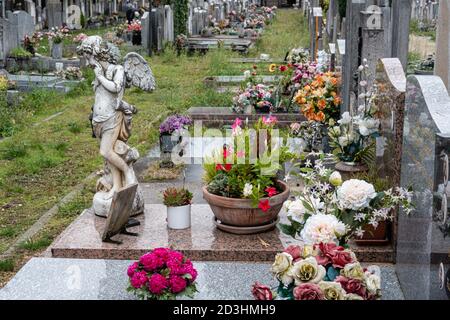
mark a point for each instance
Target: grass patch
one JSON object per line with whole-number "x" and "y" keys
{"x": 7, "y": 265}
{"x": 36, "y": 244}
{"x": 155, "y": 173}
{"x": 73, "y": 208}
{"x": 8, "y": 232}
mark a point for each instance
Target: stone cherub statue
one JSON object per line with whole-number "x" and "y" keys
{"x": 111, "y": 116}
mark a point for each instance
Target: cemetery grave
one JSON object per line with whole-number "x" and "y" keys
{"x": 318, "y": 151}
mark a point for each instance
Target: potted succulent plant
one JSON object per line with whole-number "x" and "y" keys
{"x": 244, "y": 192}
{"x": 178, "y": 203}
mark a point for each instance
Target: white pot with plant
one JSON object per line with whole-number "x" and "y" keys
{"x": 178, "y": 203}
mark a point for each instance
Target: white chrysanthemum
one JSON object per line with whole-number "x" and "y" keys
{"x": 322, "y": 228}
{"x": 355, "y": 194}
{"x": 248, "y": 190}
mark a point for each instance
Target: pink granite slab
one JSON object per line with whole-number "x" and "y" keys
{"x": 202, "y": 242}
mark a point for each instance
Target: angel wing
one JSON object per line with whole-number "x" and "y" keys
{"x": 138, "y": 72}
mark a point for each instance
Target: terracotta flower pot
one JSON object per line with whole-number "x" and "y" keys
{"x": 374, "y": 237}
{"x": 241, "y": 213}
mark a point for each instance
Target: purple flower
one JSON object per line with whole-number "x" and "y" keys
{"x": 174, "y": 123}
{"x": 138, "y": 279}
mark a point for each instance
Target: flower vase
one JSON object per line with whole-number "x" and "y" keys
{"x": 57, "y": 50}
{"x": 136, "y": 38}
{"x": 248, "y": 109}
{"x": 349, "y": 170}
{"x": 166, "y": 145}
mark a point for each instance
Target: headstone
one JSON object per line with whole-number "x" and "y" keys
{"x": 146, "y": 31}
{"x": 401, "y": 12}
{"x": 442, "y": 67}
{"x": 372, "y": 41}
{"x": 119, "y": 213}
{"x": 390, "y": 101}
{"x": 168, "y": 27}
{"x": 54, "y": 13}
{"x": 421, "y": 242}
{"x": 352, "y": 58}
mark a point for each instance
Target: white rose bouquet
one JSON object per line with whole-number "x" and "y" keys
{"x": 329, "y": 210}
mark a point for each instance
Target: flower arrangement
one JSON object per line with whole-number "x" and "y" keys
{"x": 298, "y": 55}
{"x": 70, "y": 73}
{"x": 174, "y": 123}
{"x": 57, "y": 35}
{"x": 79, "y": 37}
{"x": 174, "y": 197}
{"x": 329, "y": 210}
{"x": 257, "y": 96}
{"x": 323, "y": 271}
{"x": 353, "y": 138}
{"x": 135, "y": 26}
{"x": 231, "y": 172}
{"x": 162, "y": 274}
{"x": 310, "y": 132}
{"x": 319, "y": 99}
{"x": 120, "y": 29}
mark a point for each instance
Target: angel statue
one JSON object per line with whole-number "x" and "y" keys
{"x": 111, "y": 116}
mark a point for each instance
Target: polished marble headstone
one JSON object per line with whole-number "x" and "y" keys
{"x": 421, "y": 246}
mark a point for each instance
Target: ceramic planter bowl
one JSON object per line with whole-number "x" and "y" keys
{"x": 241, "y": 212}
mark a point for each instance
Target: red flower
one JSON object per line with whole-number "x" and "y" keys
{"x": 283, "y": 68}
{"x": 255, "y": 67}
{"x": 271, "y": 191}
{"x": 227, "y": 167}
{"x": 261, "y": 292}
{"x": 264, "y": 205}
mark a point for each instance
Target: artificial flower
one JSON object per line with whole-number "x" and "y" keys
{"x": 322, "y": 228}
{"x": 355, "y": 194}
{"x": 307, "y": 271}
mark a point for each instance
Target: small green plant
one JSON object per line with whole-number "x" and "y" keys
{"x": 7, "y": 265}
{"x": 20, "y": 53}
{"x": 8, "y": 232}
{"x": 74, "y": 127}
{"x": 34, "y": 245}
{"x": 174, "y": 197}
{"x": 14, "y": 151}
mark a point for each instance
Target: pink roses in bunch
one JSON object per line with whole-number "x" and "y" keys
{"x": 324, "y": 271}
{"x": 162, "y": 274}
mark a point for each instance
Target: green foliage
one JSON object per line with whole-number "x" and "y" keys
{"x": 8, "y": 232}
{"x": 20, "y": 53}
{"x": 174, "y": 197}
{"x": 36, "y": 244}
{"x": 7, "y": 265}
{"x": 425, "y": 32}
{"x": 74, "y": 127}
{"x": 180, "y": 16}
{"x": 11, "y": 151}
{"x": 72, "y": 208}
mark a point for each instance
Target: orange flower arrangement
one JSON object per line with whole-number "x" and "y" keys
{"x": 319, "y": 100}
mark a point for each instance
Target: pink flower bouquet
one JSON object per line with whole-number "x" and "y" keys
{"x": 162, "y": 274}
{"x": 323, "y": 271}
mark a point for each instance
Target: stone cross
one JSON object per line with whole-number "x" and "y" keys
{"x": 442, "y": 67}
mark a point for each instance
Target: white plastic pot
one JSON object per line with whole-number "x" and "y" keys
{"x": 179, "y": 217}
